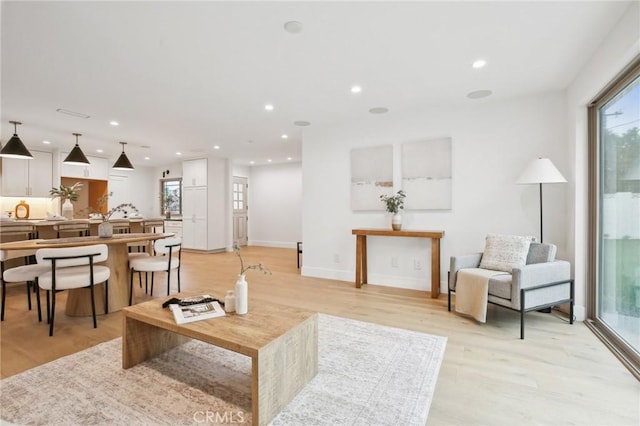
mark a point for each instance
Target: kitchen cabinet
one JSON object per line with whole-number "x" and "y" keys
{"x": 194, "y": 173}
{"x": 98, "y": 169}
{"x": 194, "y": 218}
{"x": 28, "y": 178}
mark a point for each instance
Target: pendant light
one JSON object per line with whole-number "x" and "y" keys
{"x": 76, "y": 156}
{"x": 15, "y": 148}
{"x": 123, "y": 163}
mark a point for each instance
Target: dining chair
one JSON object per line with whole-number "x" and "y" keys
{"x": 73, "y": 267}
{"x": 150, "y": 225}
{"x": 168, "y": 255}
{"x": 11, "y": 271}
{"x": 76, "y": 228}
{"x": 19, "y": 274}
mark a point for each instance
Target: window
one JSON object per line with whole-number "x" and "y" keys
{"x": 171, "y": 196}
{"x": 614, "y": 278}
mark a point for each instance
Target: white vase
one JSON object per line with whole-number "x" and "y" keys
{"x": 396, "y": 222}
{"x": 242, "y": 297}
{"x": 67, "y": 209}
{"x": 105, "y": 230}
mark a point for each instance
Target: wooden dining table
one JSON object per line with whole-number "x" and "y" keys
{"x": 79, "y": 300}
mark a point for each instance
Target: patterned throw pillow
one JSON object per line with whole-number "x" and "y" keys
{"x": 505, "y": 252}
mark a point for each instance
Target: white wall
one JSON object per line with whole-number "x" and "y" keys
{"x": 492, "y": 142}
{"x": 275, "y": 205}
{"x": 617, "y": 50}
{"x": 133, "y": 187}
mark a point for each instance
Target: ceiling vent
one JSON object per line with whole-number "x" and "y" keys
{"x": 72, "y": 113}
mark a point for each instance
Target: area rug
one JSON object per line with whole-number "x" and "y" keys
{"x": 368, "y": 375}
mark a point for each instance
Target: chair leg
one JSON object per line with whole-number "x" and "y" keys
{"x": 53, "y": 311}
{"x": 522, "y": 305}
{"x": 131, "y": 286}
{"x": 152, "y": 275}
{"x": 38, "y": 301}
{"x": 48, "y": 309}
{"x": 449, "y": 299}
{"x": 168, "y": 281}
{"x": 93, "y": 307}
{"x": 178, "y": 272}
{"x": 4, "y": 296}
{"x": 106, "y": 297}
{"x": 29, "y": 294}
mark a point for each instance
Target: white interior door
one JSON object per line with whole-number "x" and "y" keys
{"x": 240, "y": 210}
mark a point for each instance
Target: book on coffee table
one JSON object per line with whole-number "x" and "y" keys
{"x": 194, "y": 311}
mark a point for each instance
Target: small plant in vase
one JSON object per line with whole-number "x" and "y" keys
{"x": 169, "y": 198}
{"x": 395, "y": 203}
{"x": 242, "y": 301}
{"x": 66, "y": 194}
{"x": 105, "y": 229}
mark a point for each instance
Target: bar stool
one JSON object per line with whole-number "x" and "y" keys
{"x": 120, "y": 226}
{"x": 77, "y": 228}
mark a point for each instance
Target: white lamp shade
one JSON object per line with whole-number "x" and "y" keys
{"x": 541, "y": 170}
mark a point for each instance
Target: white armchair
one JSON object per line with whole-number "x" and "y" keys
{"x": 543, "y": 282}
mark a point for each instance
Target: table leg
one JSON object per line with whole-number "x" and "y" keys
{"x": 142, "y": 341}
{"x": 361, "y": 260}
{"x": 79, "y": 300}
{"x": 281, "y": 369}
{"x": 435, "y": 268}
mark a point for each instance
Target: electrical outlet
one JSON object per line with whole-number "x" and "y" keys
{"x": 394, "y": 262}
{"x": 417, "y": 264}
{"x": 336, "y": 258}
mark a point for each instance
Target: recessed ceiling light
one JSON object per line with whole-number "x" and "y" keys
{"x": 114, "y": 123}
{"x": 216, "y": 147}
{"x": 379, "y": 110}
{"x": 268, "y": 160}
{"x": 46, "y": 142}
{"x": 289, "y": 158}
{"x": 251, "y": 162}
{"x": 99, "y": 150}
{"x": 356, "y": 89}
{"x": 301, "y": 123}
{"x": 285, "y": 136}
{"x": 178, "y": 153}
{"x": 477, "y": 94}
{"x": 147, "y": 158}
{"x": 479, "y": 63}
{"x": 268, "y": 107}
{"x": 293, "y": 27}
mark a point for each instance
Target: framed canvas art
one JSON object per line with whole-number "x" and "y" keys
{"x": 426, "y": 174}
{"x": 371, "y": 177}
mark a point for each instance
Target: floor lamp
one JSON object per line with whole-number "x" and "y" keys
{"x": 541, "y": 171}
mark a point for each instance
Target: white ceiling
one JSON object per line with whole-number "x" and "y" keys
{"x": 185, "y": 76}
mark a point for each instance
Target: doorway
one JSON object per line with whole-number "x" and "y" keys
{"x": 240, "y": 211}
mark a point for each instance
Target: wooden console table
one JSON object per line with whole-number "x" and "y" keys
{"x": 361, "y": 253}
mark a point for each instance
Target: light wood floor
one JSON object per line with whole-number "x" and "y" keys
{"x": 561, "y": 374}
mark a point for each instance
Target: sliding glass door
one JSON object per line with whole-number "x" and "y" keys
{"x": 616, "y": 214}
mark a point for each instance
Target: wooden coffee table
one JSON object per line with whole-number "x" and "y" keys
{"x": 281, "y": 341}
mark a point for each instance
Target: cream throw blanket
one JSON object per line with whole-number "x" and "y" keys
{"x": 472, "y": 291}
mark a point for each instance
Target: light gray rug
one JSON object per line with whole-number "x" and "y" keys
{"x": 368, "y": 375}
